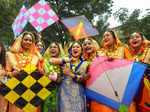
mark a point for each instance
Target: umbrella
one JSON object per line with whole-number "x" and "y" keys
{"x": 114, "y": 83}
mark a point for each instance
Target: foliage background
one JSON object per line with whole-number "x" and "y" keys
{"x": 99, "y": 9}
{"x": 64, "y": 8}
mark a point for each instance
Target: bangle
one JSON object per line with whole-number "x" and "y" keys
{"x": 75, "y": 77}
{"x": 63, "y": 61}
{"x": 50, "y": 61}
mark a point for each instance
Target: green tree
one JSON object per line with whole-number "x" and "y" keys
{"x": 63, "y": 8}
{"x": 129, "y": 22}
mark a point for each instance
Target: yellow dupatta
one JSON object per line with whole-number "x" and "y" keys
{"x": 143, "y": 55}
{"x": 51, "y": 69}
{"x": 96, "y": 50}
{"x": 14, "y": 54}
{"x": 119, "y": 50}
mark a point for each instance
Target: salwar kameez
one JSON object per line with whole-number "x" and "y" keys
{"x": 3, "y": 104}
{"x": 18, "y": 59}
{"x": 142, "y": 98}
{"x": 71, "y": 94}
{"x": 119, "y": 50}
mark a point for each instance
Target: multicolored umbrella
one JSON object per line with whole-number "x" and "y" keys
{"x": 114, "y": 83}
{"x": 21, "y": 21}
{"x": 80, "y": 27}
{"x": 42, "y": 16}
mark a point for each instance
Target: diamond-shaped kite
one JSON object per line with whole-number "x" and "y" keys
{"x": 114, "y": 83}
{"x": 28, "y": 89}
{"x": 79, "y": 27}
{"x": 42, "y": 16}
{"x": 21, "y": 21}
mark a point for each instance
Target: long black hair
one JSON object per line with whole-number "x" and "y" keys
{"x": 2, "y": 55}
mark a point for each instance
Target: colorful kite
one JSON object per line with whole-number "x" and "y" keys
{"x": 79, "y": 27}
{"x": 28, "y": 89}
{"x": 114, "y": 83}
{"x": 20, "y": 21}
{"x": 42, "y": 16}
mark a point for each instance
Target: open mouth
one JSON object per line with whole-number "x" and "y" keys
{"x": 88, "y": 48}
{"x": 75, "y": 52}
{"x": 27, "y": 45}
{"x": 134, "y": 42}
{"x": 106, "y": 40}
{"x": 53, "y": 51}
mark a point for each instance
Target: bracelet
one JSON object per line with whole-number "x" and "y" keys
{"x": 75, "y": 77}
{"x": 63, "y": 61}
{"x": 50, "y": 61}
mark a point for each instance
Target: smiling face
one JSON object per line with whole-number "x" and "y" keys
{"x": 88, "y": 46}
{"x": 26, "y": 41}
{"x": 108, "y": 39}
{"x": 54, "y": 50}
{"x": 135, "y": 40}
{"x": 76, "y": 50}
{"x": 39, "y": 46}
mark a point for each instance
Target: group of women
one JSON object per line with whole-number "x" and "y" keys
{"x": 69, "y": 73}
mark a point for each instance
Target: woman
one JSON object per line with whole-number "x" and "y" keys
{"x": 71, "y": 91}
{"x": 140, "y": 49}
{"x": 112, "y": 48}
{"x": 3, "y": 102}
{"x": 91, "y": 49}
{"x": 22, "y": 53}
{"x": 40, "y": 44}
{"x": 55, "y": 51}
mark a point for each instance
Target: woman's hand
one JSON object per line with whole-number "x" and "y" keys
{"x": 67, "y": 71}
{"x": 110, "y": 58}
{"x": 40, "y": 71}
{"x": 1, "y": 83}
{"x": 58, "y": 79}
{"x": 55, "y": 61}
{"x": 85, "y": 78}
{"x": 14, "y": 73}
{"x": 2, "y": 72}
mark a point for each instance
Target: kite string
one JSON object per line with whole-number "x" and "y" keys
{"x": 116, "y": 93}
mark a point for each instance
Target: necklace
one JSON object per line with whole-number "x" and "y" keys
{"x": 24, "y": 59}
{"x": 76, "y": 65}
{"x": 141, "y": 56}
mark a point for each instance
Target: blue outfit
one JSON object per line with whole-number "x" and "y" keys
{"x": 71, "y": 94}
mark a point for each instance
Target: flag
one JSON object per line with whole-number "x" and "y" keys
{"x": 21, "y": 21}
{"x": 114, "y": 83}
{"x": 79, "y": 27}
{"x": 42, "y": 15}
